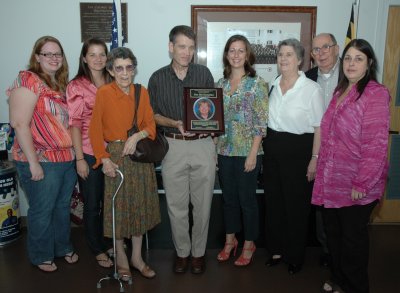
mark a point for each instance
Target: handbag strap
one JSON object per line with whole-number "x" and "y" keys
{"x": 137, "y": 101}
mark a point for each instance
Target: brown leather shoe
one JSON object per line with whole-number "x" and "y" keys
{"x": 198, "y": 265}
{"x": 181, "y": 264}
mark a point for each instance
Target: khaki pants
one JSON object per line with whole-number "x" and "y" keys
{"x": 188, "y": 172}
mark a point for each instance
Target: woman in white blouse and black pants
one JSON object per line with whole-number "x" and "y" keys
{"x": 290, "y": 157}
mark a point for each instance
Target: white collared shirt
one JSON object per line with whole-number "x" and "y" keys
{"x": 299, "y": 110}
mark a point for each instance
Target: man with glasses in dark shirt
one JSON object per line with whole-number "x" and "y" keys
{"x": 188, "y": 169}
{"x": 325, "y": 52}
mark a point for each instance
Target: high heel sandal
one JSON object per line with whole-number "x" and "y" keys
{"x": 243, "y": 261}
{"x": 223, "y": 255}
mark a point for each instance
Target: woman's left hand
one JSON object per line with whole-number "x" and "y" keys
{"x": 311, "y": 169}
{"x": 357, "y": 195}
{"x": 250, "y": 162}
{"x": 130, "y": 144}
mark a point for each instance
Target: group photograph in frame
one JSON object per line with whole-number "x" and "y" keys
{"x": 263, "y": 26}
{"x": 203, "y": 110}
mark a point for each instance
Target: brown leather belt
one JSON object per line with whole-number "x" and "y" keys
{"x": 181, "y": 137}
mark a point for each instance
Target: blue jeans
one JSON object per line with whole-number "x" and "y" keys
{"x": 49, "y": 209}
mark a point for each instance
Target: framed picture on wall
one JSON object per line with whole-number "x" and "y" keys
{"x": 264, "y": 27}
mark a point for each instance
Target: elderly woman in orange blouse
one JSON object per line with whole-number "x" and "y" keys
{"x": 137, "y": 207}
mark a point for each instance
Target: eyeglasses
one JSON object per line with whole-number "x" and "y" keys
{"x": 51, "y": 55}
{"x": 356, "y": 59}
{"x": 120, "y": 69}
{"x": 324, "y": 49}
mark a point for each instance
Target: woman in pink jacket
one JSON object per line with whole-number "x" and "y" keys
{"x": 352, "y": 165}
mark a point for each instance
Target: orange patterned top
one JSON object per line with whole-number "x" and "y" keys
{"x": 49, "y": 125}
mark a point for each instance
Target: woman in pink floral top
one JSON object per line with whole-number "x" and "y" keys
{"x": 81, "y": 94}
{"x": 352, "y": 165}
{"x": 43, "y": 152}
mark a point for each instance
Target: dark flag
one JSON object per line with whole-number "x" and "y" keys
{"x": 351, "y": 32}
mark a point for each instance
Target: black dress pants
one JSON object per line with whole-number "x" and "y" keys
{"x": 287, "y": 193}
{"x": 348, "y": 243}
{"x": 93, "y": 193}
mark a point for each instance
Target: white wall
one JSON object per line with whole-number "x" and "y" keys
{"x": 149, "y": 22}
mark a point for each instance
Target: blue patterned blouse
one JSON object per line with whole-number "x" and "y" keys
{"x": 245, "y": 114}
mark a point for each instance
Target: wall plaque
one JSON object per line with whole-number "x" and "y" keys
{"x": 204, "y": 111}
{"x": 96, "y": 21}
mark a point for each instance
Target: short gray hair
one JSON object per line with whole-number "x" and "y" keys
{"x": 296, "y": 45}
{"x": 120, "y": 53}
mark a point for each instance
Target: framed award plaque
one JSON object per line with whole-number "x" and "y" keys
{"x": 204, "y": 111}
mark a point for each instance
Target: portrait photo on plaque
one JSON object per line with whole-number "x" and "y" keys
{"x": 203, "y": 110}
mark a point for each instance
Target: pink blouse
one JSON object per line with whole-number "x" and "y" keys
{"x": 354, "y": 145}
{"x": 81, "y": 95}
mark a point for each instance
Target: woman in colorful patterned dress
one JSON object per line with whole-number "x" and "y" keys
{"x": 43, "y": 152}
{"x": 239, "y": 149}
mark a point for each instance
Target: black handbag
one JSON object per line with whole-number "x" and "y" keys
{"x": 147, "y": 150}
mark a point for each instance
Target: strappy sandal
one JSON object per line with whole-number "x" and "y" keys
{"x": 47, "y": 267}
{"x": 104, "y": 261}
{"x": 70, "y": 258}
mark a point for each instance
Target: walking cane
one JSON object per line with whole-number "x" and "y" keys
{"x": 115, "y": 275}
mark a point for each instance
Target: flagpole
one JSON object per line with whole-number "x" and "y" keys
{"x": 116, "y": 25}
{"x": 119, "y": 21}
{"x": 357, "y": 4}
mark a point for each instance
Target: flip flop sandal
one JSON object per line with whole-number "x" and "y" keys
{"x": 69, "y": 258}
{"x": 334, "y": 288}
{"x": 44, "y": 265}
{"x": 105, "y": 262}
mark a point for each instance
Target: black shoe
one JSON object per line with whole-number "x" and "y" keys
{"x": 294, "y": 268}
{"x": 273, "y": 261}
{"x": 325, "y": 260}
{"x": 181, "y": 264}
